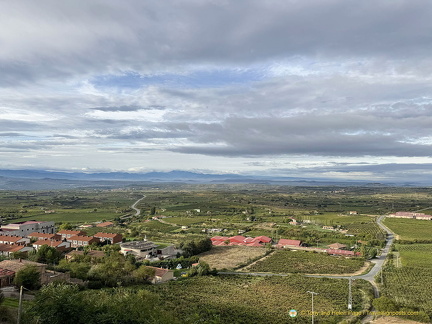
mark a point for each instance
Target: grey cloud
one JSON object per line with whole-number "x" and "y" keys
{"x": 51, "y": 39}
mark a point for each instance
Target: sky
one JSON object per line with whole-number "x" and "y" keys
{"x": 335, "y": 89}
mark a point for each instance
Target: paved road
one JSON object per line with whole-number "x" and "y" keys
{"x": 137, "y": 211}
{"x": 378, "y": 262}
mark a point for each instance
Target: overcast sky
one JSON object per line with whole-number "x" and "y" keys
{"x": 313, "y": 88}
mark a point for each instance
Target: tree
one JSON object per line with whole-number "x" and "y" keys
{"x": 143, "y": 273}
{"x": 384, "y": 304}
{"x": 59, "y": 303}
{"x": 66, "y": 226}
{"x": 28, "y": 277}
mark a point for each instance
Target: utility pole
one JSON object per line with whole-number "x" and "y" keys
{"x": 350, "y": 301}
{"x": 312, "y": 293}
{"x": 20, "y": 305}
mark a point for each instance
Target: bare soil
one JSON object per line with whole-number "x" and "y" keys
{"x": 229, "y": 257}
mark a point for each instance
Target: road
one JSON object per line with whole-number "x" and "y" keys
{"x": 137, "y": 211}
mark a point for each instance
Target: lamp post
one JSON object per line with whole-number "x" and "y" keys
{"x": 312, "y": 294}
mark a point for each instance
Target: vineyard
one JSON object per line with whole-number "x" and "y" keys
{"x": 244, "y": 299}
{"x": 365, "y": 230}
{"x": 306, "y": 262}
{"x": 410, "y": 229}
{"x": 409, "y": 287}
{"x": 410, "y": 284}
{"x": 416, "y": 255}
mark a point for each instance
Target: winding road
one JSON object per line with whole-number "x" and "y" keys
{"x": 378, "y": 262}
{"x": 137, "y": 211}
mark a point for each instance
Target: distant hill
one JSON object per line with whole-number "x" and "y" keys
{"x": 43, "y": 180}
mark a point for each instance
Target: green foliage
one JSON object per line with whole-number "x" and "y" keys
{"x": 46, "y": 254}
{"x": 384, "y": 304}
{"x": 144, "y": 273}
{"x": 202, "y": 269}
{"x": 28, "y": 277}
{"x": 66, "y": 226}
{"x": 284, "y": 261}
{"x": 195, "y": 246}
{"x": 66, "y": 304}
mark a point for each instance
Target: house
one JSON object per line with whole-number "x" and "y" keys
{"x": 337, "y": 246}
{"x": 105, "y": 224}
{"x": 19, "y": 264}
{"x": 6, "y": 277}
{"x": 58, "y": 245}
{"x": 343, "y": 252}
{"x": 112, "y": 238}
{"x": 141, "y": 249}
{"x": 161, "y": 275}
{"x": 262, "y": 239}
{"x": 14, "y": 240}
{"x": 237, "y": 239}
{"x": 9, "y": 249}
{"x": 285, "y": 243}
{"x": 352, "y": 212}
{"x": 44, "y": 236}
{"x": 65, "y": 234}
{"x": 46, "y": 277}
{"x": 331, "y": 228}
{"x": 24, "y": 228}
{"x": 78, "y": 240}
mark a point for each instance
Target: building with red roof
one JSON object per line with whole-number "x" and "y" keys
{"x": 237, "y": 239}
{"x": 6, "y": 277}
{"x": 285, "y": 243}
{"x": 14, "y": 240}
{"x": 78, "y": 240}
{"x": 109, "y": 237}
{"x": 105, "y": 224}
{"x": 262, "y": 239}
{"x": 65, "y": 234}
{"x": 58, "y": 245}
{"x": 343, "y": 252}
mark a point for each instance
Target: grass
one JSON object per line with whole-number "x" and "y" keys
{"x": 230, "y": 257}
{"x": 306, "y": 262}
{"x": 410, "y": 229}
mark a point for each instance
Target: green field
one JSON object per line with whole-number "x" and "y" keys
{"x": 247, "y": 299}
{"x": 415, "y": 255}
{"x": 306, "y": 262}
{"x": 410, "y": 229}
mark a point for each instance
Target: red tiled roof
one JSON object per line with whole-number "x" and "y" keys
{"x": 47, "y": 242}
{"x": 10, "y": 238}
{"x": 284, "y": 242}
{"x": 159, "y": 272}
{"x": 263, "y": 239}
{"x": 105, "y": 224}
{"x": 336, "y": 246}
{"x": 343, "y": 252}
{"x": 10, "y": 248}
{"x": 237, "y": 238}
{"x": 80, "y": 238}
{"x": 6, "y": 272}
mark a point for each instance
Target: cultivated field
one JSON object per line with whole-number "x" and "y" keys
{"x": 410, "y": 229}
{"x": 306, "y": 262}
{"x": 230, "y": 257}
{"x": 247, "y": 299}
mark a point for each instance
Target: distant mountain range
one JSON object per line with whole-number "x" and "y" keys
{"x": 44, "y": 180}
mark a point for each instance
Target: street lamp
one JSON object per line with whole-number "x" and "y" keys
{"x": 312, "y": 294}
